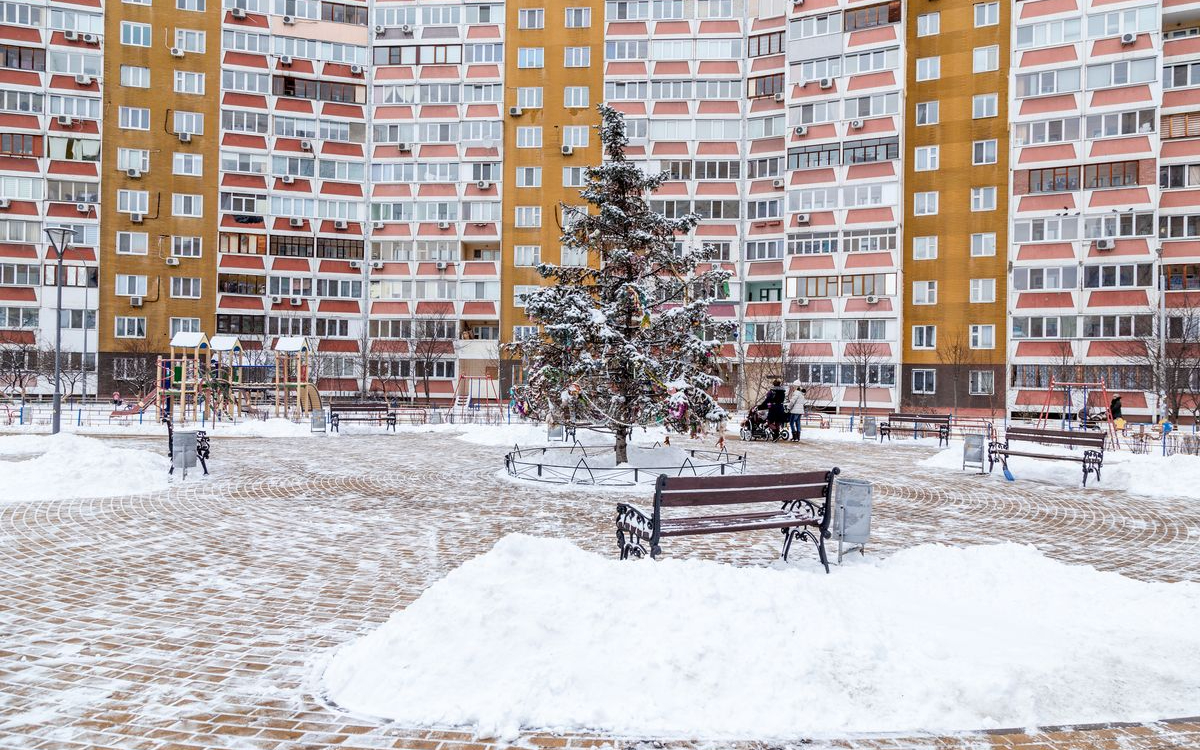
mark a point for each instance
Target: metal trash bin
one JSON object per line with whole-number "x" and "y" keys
{"x": 851, "y": 515}
{"x": 183, "y": 451}
{"x": 870, "y": 428}
{"x": 973, "y": 450}
{"x": 317, "y": 420}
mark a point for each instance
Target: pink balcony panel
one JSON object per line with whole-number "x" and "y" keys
{"x": 768, "y": 24}
{"x": 394, "y": 73}
{"x": 341, "y": 188}
{"x": 19, "y": 294}
{"x": 299, "y": 265}
{"x": 475, "y": 72}
{"x": 437, "y": 150}
{"x": 669, "y": 28}
{"x": 394, "y": 231}
{"x": 334, "y": 148}
{"x": 1120, "y": 146}
{"x": 1046, "y": 7}
{"x": 869, "y": 216}
{"x": 1114, "y": 45}
{"x": 227, "y": 221}
{"x": 335, "y": 109}
{"x": 718, "y": 107}
{"x": 1182, "y": 250}
{"x": 490, "y": 31}
{"x": 673, "y": 189}
{"x": 1058, "y": 152}
{"x": 19, "y": 164}
{"x": 625, "y": 69}
{"x": 869, "y": 171}
{"x": 764, "y": 309}
{"x": 239, "y": 303}
{"x": 251, "y": 181}
{"x": 431, "y": 229}
{"x": 339, "y": 346}
{"x": 872, "y": 81}
{"x": 438, "y": 72}
{"x": 767, "y": 145}
{"x": 1121, "y": 349}
{"x": 339, "y": 306}
{"x": 823, "y": 262}
{"x": 1123, "y": 95}
{"x": 246, "y": 60}
{"x": 479, "y": 268}
{"x": 869, "y": 260}
{"x": 718, "y": 231}
{"x": 720, "y": 67}
{"x": 1043, "y": 349}
{"x": 1118, "y": 298}
{"x": 435, "y": 308}
{"x": 1045, "y": 104}
{"x": 671, "y": 108}
{"x": 811, "y": 350}
{"x": 21, "y": 122}
{"x": 437, "y": 112}
{"x": 1174, "y": 148}
{"x": 627, "y": 28}
{"x": 875, "y": 126}
{"x": 670, "y": 148}
{"x": 813, "y": 89}
{"x": 765, "y": 104}
{"x": 720, "y": 27}
{"x": 766, "y": 268}
{"x": 1185, "y": 47}
{"x": 1039, "y": 300}
{"x": 632, "y": 108}
{"x": 353, "y": 229}
{"x": 768, "y": 63}
{"x": 860, "y": 305}
{"x": 814, "y": 176}
{"x": 27, "y": 34}
{"x": 1181, "y": 98}
{"x": 299, "y": 186}
{"x": 1119, "y": 197}
{"x": 389, "y": 308}
{"x": 394, "y": 112}
{"x": 479, "y": 309}
{"x": 17, "y": 250}
{"x": 299, "y": 65}
{"x": 391, "y": 190}
{"x": 483, "y": 152}
{"x": 876, "y": 35}
{"x": 250, "y": 101}
{"x": 1036, "y": 57}
{"x": 715, "y": 148}
{"x": 304, "y": 106}
{"x": 716, "y": 189}
{"x": 1176, "y": 300}
{"x": 817, "y": 132}
{"x": 819, "y": 219}
{"x": 483, "y": 110}
{"x": 1052, "y": 202}
{"x": 1123, "y": 248}
{"x": 90, "y": 127}
{"x": 242, "y": 262}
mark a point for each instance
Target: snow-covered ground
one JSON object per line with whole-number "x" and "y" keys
{"x": 537, "y": 633}
{"x": 56, "y": 467}
{"x": 1152, "y": 474}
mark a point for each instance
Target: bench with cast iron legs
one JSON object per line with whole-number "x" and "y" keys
{"x": 380, "y": 414}
{"x": 919, "y": 422}
{"x": 1092, "y": 444}
{"x": 799, "y": 505}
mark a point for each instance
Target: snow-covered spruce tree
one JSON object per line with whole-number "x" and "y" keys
{"x": 627, "y": 341}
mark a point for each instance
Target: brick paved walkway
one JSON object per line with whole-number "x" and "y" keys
{"x": 197, "y": 618}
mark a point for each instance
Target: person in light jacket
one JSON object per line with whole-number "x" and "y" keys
{"x": 795, "y": 407}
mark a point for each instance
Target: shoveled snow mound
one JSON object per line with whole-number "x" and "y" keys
{"x": 538, "y": 634}
{"x": 65, "y": 466}
{"x": 1152, "y": 475}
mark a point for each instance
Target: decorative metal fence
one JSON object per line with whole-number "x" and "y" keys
{"x": 569, "y": 464}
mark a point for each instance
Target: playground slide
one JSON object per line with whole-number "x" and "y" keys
{"x": 137, "y": 407}
{"x": 310, "y": 398}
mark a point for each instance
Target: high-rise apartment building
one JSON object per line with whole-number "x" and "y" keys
{"x": 938, "y": 205}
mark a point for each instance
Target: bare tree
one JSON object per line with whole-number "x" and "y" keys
{"x": 957, "y": 357}
{"x": 135, "y": 371}
{"x": 1169, "y": 362}
{"x": 72, "y": 372}
{"x": 388, "y": 366}
{"x": 862, "y": 354}
{"x": 1066, "y": 364}
{"x": 756, "y": 364}
{"x": 430, "y": 341}
{"x": 19, "y": 364}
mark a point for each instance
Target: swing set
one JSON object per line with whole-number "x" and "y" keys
{"x": 1071, "y": 418}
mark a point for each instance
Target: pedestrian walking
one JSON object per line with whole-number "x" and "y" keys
{"x": 776, "y": 409}
{"x": 795, "y": 408}
{"x": 1114, "y": 408}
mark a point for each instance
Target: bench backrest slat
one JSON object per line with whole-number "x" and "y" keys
{"x": 740, "y": 489}
{"x": 1055, "y": 437}
{"x": 901, "y": 417}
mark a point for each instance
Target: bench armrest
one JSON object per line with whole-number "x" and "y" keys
{"x": 804, "y": 509}
{"x": 639, "y": 527}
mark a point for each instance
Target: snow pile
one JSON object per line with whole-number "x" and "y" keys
{"x": 274, "y": 427}
{"x": 1152, "y": 475}
{"x": 66, "y": 466}
{"x": 538, "y": 634}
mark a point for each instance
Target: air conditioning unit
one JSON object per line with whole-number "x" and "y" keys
{"x": 406, "y": 29}
{"x": 802, "y": 301}
{"x": 872, "y": 299}
{"x": 777, "y": 183}
{"x": 515, "y": 111}
{"x": 84, "y": 80}
{"x": 341, "y": 224}
{"x": 289, "y": 20}
{"x": 176, "y": 52}
{"x": 91, "y": 39}
{"x": 71, "y": 36}
{"x": 856, "y": 124}
{"x": 133, "y": 174}
{"x": 1128, "y": 38}
{"x": 306, "y": 145}
{"x": 483, "y": 184}
{"x": 276, "y": 299}
{"x": 404, "y": 147}
{"x": 296, "y": 301}
{"x": 801, "y": 130}
{"x": 5, "y": 203}
{"x": 443, "y": 225}
{"x": 136, "y": 218}
{"x": 356, "y": 264}
{"x": 379, "y": 29}
{"x": 377, "y": 264}
{"x": 295, "y": 222}
{"x": 83, "y": 208}
{"x": 779, "y": 97}
{"x": 825, "y": 83}
{"x": 135, "y": 301}
{"x": 802, "y": 218}
{"x": 1106, "y": 244}
{"x": 65, "y": 120}
{"x": 377, "y": 225}
{"x": 238, "y": 13}
{"x": 285, "y": 60}
{"x": 568, "y": 150}
{"x": 287, "y": 179}
{"x": 172, "y": 261}
{"x": 185, "y": 137}
{"x": 356, "y": 70}
{"x": 442, "y": 265}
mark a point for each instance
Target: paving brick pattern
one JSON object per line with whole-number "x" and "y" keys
{"x": 199, "y": 617}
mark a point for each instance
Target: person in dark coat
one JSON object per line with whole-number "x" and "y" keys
{"x": 774, "y": 404}
{"x": 1114, "y": 408}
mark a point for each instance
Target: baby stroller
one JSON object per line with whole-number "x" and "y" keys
{"x": 756, "y": 427}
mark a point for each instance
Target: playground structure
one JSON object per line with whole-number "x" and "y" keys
{"x": 204, "y": 380}
{"x": 1076, "y": 407}
{"x": 472, "y": 392}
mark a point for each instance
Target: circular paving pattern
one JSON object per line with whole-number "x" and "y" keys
{"x": 199, "y": 617}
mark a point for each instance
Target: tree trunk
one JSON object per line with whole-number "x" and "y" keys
{"x": 622, "y": 445}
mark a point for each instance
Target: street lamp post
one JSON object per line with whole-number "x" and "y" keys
{"x": 1160, "y": 389}
{"x": 60, "y": 240}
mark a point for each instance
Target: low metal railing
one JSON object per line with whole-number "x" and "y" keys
{"x": 569, "y": 464}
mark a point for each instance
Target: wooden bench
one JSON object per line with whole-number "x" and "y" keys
{"x": 919, "y": 422}
{"x": 1091, "y": 442}
{"x": 375, "y": 413}
{"x": 802, "y": 509}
